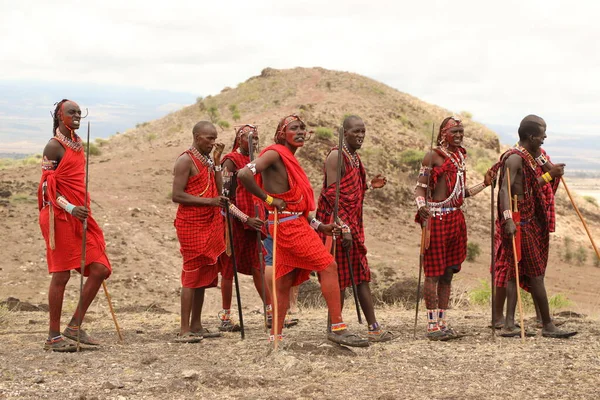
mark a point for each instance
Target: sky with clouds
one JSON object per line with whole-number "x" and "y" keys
{"x": 500, "y": 60}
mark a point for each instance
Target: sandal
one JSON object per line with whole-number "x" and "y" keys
{"x": 380, "y": 336}
{"x": 188, "y": 337}
{"x": 206, "y": 334}
{"x": 515, "y": 332}
{"x": 71, "y": 333}
{"x": 60, "y": 345}
{"x": 559, "y": 334}
{"x": 289, "y": 322}
{"x": 437, "y": 334}
{"x": 347, "y": 338}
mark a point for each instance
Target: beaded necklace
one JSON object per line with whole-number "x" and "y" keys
{"x": 527, "y": 155}
{"x": 457, "y": 160}
{"x": 75, "y": 145}
{"x": 207, "y": 161}
{"x": 458, "y": 192}
{"x": 352, "y": 156}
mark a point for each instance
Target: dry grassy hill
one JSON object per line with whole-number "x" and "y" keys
{"x": 131, "y": 184}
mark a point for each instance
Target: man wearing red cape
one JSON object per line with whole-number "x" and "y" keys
{"x": 283, "y": 185}
{"x": 63, "y": 209}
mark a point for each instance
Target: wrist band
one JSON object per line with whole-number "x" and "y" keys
{"x": 269, "y": 200}
{"x": 345, "y": 229}
{"x": 65, "y": 205}
{"x": 218, "y": 168}
{"x": 315, "y": 223}
{"x": 473, "y": 190}
{"x": 420, "y": 202}
{"x": 507, "y": 214}
{"x": 236, "y": 212}
{"x": 541, "y": 160}
{"x": 547, "y": 177}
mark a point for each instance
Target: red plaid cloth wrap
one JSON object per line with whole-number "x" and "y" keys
{"x": 244, "y": 237}
{"x": 298, "y": 245}
{"x": 200, "y": 231}
{"x": 353, "y": 187}
{"x": 536, "y": 211}
{"x": 68, "y": 179}
{"x": 448, "y": 232}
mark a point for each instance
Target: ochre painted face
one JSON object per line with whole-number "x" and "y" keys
{"x": 295, "y": 134}
{"x": 70, "y": 115}
{"x": 355, "y": 134}
{"x": 454, "y": 136}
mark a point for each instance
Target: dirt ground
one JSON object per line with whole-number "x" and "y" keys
{"x": 149, "y": 365}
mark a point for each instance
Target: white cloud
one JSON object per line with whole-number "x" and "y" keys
{"x": 499, "y": 61}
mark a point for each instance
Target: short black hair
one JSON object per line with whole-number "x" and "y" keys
{"x": 200, "y": 126}
{"x": 348, "y": 120}
{"x": 531, "y": 125}
{"x": 57, "y": 109}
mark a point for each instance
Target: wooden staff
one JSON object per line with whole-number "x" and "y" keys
{"x": 112, "y": 311}
{"x": 259, "y": 247}
{"x": 493, "y": 259}
{"x": 580, "y": 217}
{"x": 83, "y": 237}
{"x": 516, "y": 261}
{"x": 424, "y": 236}
{"x": 274, "y": 294}
{"x": 235, "y": 272}
{"x": 336, "y": 209}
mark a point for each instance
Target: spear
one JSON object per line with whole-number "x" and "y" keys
{"x": 258, "y": 242}
{"x": 516, "y": 260}
{"x": 424, "y": 235}
{"x": 336, "y": 208}
{"x": 493, "y": 259}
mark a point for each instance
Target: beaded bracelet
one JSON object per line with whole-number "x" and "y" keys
{"x": 420, "y": 202}
{"x": 269, "y": 200}
{"x": 65, "y": 205}
{"x": 315, "y": 223}
{"x": 547, "y": 177}
{"x": 507, "y": 214}
{"x": 541, "y": 160}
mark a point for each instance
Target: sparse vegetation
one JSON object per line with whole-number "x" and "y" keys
{"x": 473, "y": 251}
{"x": 412, "y": 158}
{"x": 142, "y": 125}
{"x": 199, "y": 99}
{"x": 213, "y": 114}
{"x": 581, "y": 255}
{"x": 22, "y": 198}
{"x": 568, "y": 244}
{"x": 324, "y": 133}
{"x": 101, "y": 142}
{"x": 591, "y": 200}
{"x": 94, "y": 150}
{"x": 482, "y": 165}
{"x": 482, "y": 294}
{"x": 559, "y": 301}
{"x": 151, "y": 136}
{"x": 466, "y": 114}
{"x": 596, "y": 261}
{"x": 223, "y": 124}
{"x": 233, "y": 108}
{"x": 236, "y": 116}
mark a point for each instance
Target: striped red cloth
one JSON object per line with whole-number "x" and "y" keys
{"x": 200, "y": 231}
{"x": 535, "y": 237}
{"x": 353, "y": 187}
{"x": 68, "y": 179}
{"x": 299, "y": 248}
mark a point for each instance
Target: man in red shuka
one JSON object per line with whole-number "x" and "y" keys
{"x": 244, "y": 227}
{"x": 197, "y": 185}
{"x": 353, "y": 187}
{"x": 61, "y": 201}
{"x": 283, "y": 185}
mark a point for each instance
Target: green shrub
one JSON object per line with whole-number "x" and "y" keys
{"x": 94, "y": 150}
{"x": 473, "y": 251}
{"x": 142, "y": 125}
{"x": 324, "y": 133}
{"x": 568, "y": 243}
{"x": 412, "y": 158}
{"x": 581, "y": 255}
{"x": 466, "y": 114}
{"x": 482, "y": 294}
{"x": 151, "y": 136}
{"x": 213, "y": 114}
{"x": 482, "y": 165}
{"x": 596, "y": 261}
{"x": 591, "y": 200}
{"x": 101, "y": 142}
{"x": 559, "y": 301}
{"x": 236, "y": 116}
{"x": 233, "y": 108}
{"x": 223, "y": 124}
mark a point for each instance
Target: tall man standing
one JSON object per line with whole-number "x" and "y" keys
{"x": 61, "y": 201}
{"x": 534, "y": 179}
{"x": 244, "y": 226}
{"x": 353, "y": 186}
{"x": 283, "y": 185}
{"x": 197, "y": 185}
{"x": 444, "y": 168}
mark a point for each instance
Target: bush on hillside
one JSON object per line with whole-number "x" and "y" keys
{"x": 591, "y": 200}
{"x": 473, "y": 251}
{"x": 581, "y": 255}
{"x": 236, "y": 116}
{"x": 323, "y": 133}
{"x": 94, "y": 150}
{"x": 412, "y": 158}
{"x": 213, "y": 114}
{"x": 223, "y": 124}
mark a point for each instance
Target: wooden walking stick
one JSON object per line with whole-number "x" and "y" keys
{"x": 235, "y": 271}
{"x": 261, "y": 259}
{"x": 83, "y": 238}
{"x": 516, "y": 261}
{"x": 493, "y": 259}
{"x": 424, "y": 236}
{"x": 580, "y": 217}
{"x": 112, "y": 311}
{"x": 274, "y": 279}
{"x": 336, "y": 210}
